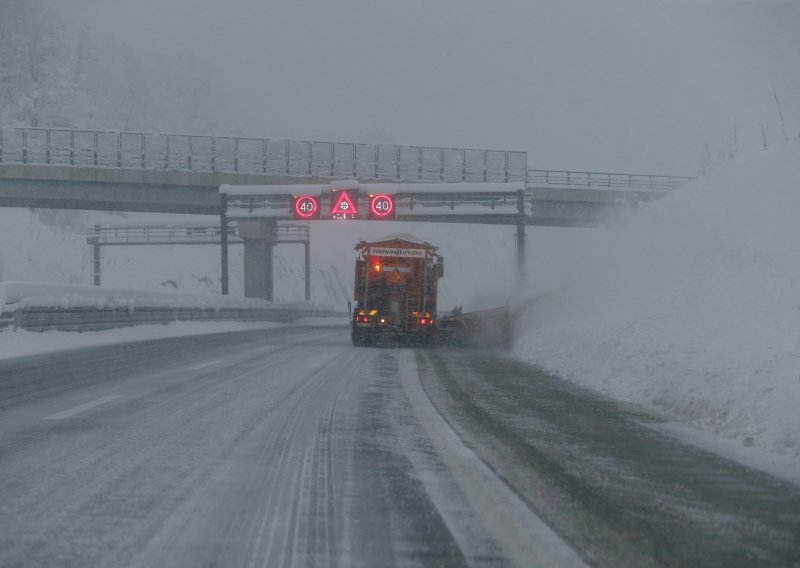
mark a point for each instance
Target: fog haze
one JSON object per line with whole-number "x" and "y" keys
{"x": 625, "y": 86}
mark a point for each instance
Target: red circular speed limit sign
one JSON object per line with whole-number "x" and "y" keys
{"x": 381, "y": 207}
{"x": 306, "y": 207}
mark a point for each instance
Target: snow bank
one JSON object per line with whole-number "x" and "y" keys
{"x": 17, "y": 295}
{"x": 19, "y": 343}
{"x": 691, "y": 308}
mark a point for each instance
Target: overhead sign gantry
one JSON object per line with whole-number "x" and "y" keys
{"x": 257, "y": 208}
{"x": 495, "y": 203}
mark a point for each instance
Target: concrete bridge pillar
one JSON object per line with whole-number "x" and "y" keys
{"x": 259, "y": 236}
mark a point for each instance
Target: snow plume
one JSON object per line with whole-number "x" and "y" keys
{"x": 692, "y": 307}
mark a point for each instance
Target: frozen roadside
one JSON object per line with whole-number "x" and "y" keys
{"x": 18, "y": 343}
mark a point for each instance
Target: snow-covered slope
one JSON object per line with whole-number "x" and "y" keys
{"x": 692, "y": 307}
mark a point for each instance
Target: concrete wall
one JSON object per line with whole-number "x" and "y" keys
{"x": 259, "y": 236}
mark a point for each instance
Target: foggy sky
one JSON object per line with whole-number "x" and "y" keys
{"x": 611, "y": 86}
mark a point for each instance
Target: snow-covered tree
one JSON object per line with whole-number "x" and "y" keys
{"x": 53, "y": 74}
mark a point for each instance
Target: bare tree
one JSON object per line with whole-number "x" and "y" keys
{"x": 732, "y": 147}
{"x": 780, "y": 114}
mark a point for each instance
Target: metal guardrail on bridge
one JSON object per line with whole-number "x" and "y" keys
{"x": 219, "y": 154}
{"x": 607, "y": 180}
{"x": 261, "y": 156}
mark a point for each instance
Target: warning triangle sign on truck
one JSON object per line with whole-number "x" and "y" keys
{"x": 396, "y": 278}
{"x": 344, "y": 207}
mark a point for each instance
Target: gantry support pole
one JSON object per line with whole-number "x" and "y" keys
{"x": 223, "y": 218}
{"x": 307, "y": 246}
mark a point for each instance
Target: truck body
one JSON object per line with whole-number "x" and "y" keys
{"x": 395, "y": 291}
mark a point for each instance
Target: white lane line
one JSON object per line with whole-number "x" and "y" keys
{"x": 204, "y": 365}
{"x": 82, "y": 407}
{"x": 525, "y": 538}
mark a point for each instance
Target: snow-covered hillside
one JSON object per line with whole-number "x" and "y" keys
{"x": 691, "y": 308}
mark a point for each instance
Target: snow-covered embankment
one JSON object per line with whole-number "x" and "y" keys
{"x": 691, "y": 308}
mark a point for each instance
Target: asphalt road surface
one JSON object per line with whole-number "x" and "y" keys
{"x": 290, "y": 447}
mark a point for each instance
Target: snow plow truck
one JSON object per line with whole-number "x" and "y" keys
{"x": 396, "y": 283}
{"x": 395, "y": 291}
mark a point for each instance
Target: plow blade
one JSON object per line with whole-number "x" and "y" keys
{"x": 484, "y": 328}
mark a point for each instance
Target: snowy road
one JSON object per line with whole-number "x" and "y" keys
{"x": 289, "y": 447}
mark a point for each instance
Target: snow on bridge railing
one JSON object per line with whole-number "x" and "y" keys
{"x": 39, "y": 306}
{"x": 301, "y": 158}
{"x": 257, "y": 156}
{"x": 607, "y": 180}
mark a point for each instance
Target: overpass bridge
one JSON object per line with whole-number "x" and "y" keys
{"x": 170, "y": 173}
{"x": 173, "y": 173}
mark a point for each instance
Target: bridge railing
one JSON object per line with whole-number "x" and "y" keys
{"x": 605, "y": 180}
{"x": 220, "y": 154}
{"x": 141, "y": 150}
{"x": 185, "y": 234}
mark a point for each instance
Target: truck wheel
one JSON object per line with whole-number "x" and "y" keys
{"x": 358, "y": 339}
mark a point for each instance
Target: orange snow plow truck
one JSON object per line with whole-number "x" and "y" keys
{"x": 395, "y": 291}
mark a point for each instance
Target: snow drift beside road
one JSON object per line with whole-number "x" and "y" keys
{"x": 692, "y": 307}
{"x": 16, "y": 295}
{"x": 21, "y": 343}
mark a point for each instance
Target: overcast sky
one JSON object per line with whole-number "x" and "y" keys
{"x": 599, "y": 85}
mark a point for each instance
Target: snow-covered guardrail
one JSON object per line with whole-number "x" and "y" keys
{"x": 39, "y": 307}
{"x": 256, "y": 156}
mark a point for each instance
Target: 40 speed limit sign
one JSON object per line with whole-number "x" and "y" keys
{"x": 381, "y": 207}
{"x": 306, "y": 207}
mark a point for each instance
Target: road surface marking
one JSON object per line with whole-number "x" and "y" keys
{"x": 83, "y": 407}
{"x": 525, "y": 538}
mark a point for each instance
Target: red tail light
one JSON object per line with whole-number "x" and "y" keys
{"x": 423, "y": 321}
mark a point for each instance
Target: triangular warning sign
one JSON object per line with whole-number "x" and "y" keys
{"x": 396, "y": 278}
{"x": 344, "y": 205}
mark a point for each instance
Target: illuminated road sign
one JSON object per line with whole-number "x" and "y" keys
{"x": 343, "y": 206}
{"x": 306, "y": 207}
{"x": 381, "y": 207}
